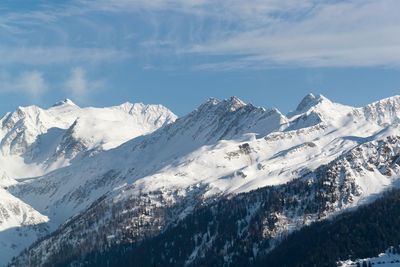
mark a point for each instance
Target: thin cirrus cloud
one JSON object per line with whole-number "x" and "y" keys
{"x": 42, "y": 36}
{"x": 336, "y": 34}
{"x": 272, "y": 33}
{"x": 217, "y": 35}
{"x": 57, "y": 55}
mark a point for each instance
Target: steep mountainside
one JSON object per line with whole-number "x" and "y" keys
{"x": 365, "y": 232}
{"x": 174, "y": 146}
{"x": 20, "y": 225}
{"x": 325, "y": 157}
{"x": 255, "y": 173}
{"x": 35, "y": 141}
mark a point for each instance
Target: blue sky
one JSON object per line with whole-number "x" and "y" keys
{"x": 181, "y": 52}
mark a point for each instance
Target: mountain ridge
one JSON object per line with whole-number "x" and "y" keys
{"x": 221, "y": 149}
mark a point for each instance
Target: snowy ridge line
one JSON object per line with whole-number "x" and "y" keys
{"x": 224, "y": 147}
{"x": 34, "y": 141}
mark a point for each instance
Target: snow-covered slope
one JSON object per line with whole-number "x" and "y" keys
{"x": 34, "y": 141}
{"x": 220, "y": 149}
{"x": 20, "y": 225}
{"x": 313, "y": 110}
{"x": 181, "y": 143}
{"x": 14, "y": 213}
{"x": 383, "y": 112}
{"x": 128, "y": 215}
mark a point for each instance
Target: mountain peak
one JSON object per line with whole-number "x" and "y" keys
{"x": 234, "y": 103}
{"x": 66, "y": 101}
{"x": 309, "y": 98}
{"x": 212, "y": 101}
{"x": 309, "y": 101}
{"x": 386, "y": 101}
{"x": 385, "y": 111}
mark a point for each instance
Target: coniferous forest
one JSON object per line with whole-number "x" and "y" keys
{"x": 363, "y": 233}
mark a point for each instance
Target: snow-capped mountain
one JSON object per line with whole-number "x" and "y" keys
{"x": 318, "y": 109}
{"x": 336, "y": 155}
{"x": 146, "y": 156}
{"x": 125, "y": 216}
{"x": 36, "y": 140}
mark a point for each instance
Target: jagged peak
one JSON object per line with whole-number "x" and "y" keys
{"x": 207, "y": 105}
{"x": 24, "y": 112}
{"x": 384, "y": 111}
{"x": 388, "y": 100}
{"x": 275, "y": 111}
{"x": 231, "y": 104}
{"x": 309, "y": 101}
{"x": 235, "y": 103}
{"x": 128, "y": 103}
{"x": 141, "y": 105}
{"x": 127, "y": 106}
{"x": 212, "y": 101}
{"x": 306, "y": 101}
{"x": 315, "y": 109}
{"x": 27, "y": 108}
{"x": 66, "y": 101}
{"x": 141, "y": 108}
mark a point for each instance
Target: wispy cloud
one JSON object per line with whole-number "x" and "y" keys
{"x": 220, "y": 35}
{"x": 31, "y": 83}
{"x": 57, "y": 55}
{"x": 79, "y": 86}
{"x": 273, "y": 33}
{"x": 341, "y": 33}
{"x": 54, "y": 33}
